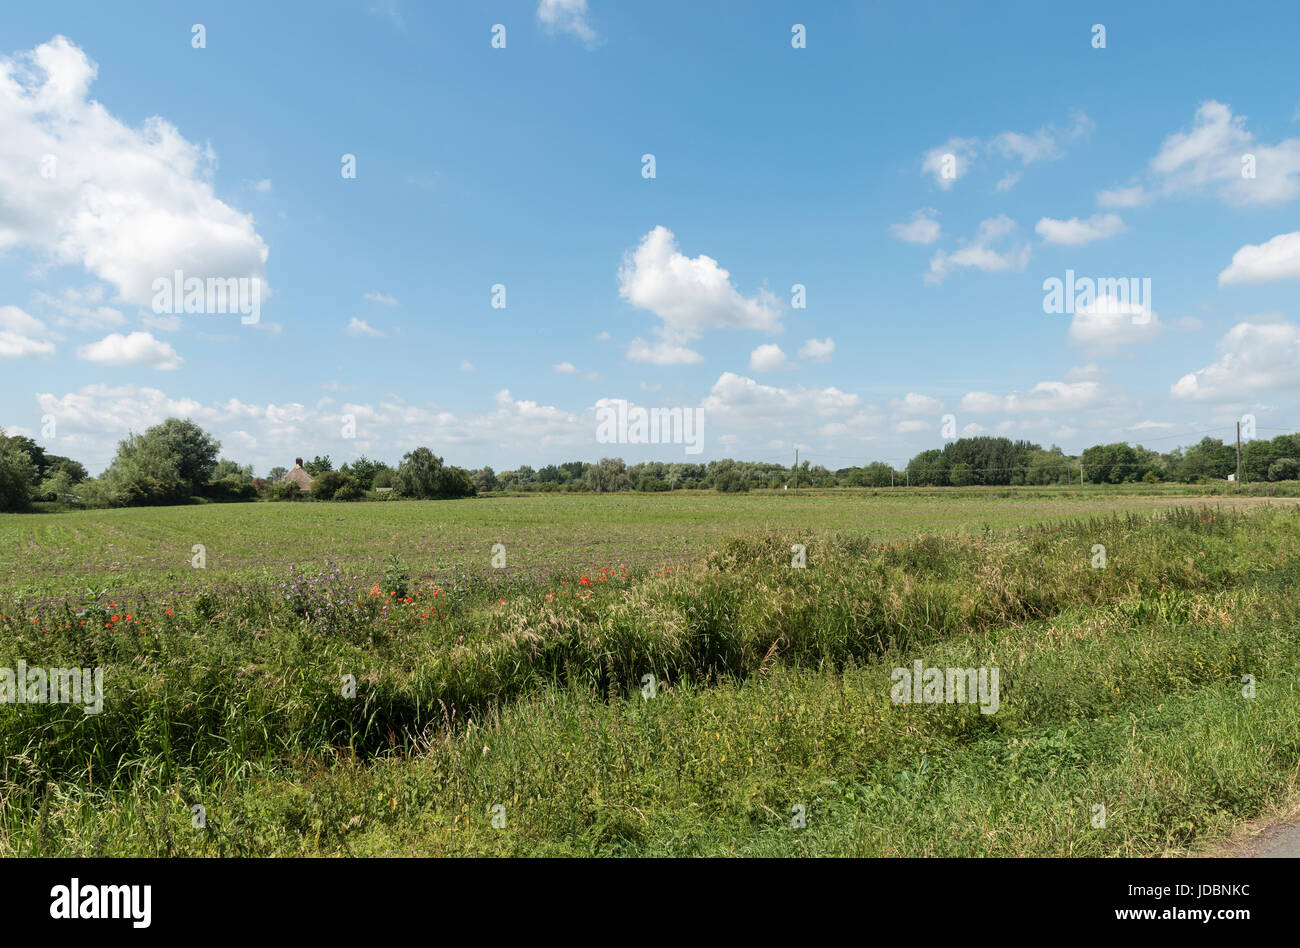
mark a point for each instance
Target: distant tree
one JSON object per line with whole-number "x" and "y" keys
{"x": 17, "y": 474}
{"x": 146, "y": 470}
{"x": 485, "y": 479}
{"x": 1284, "y": 469}
{"x": 277, "y": 474}
{"x": 318, "y": 465}
{"x": 193, "y": 448}
{"x": 961, "y": 474}
{"x": 364, "y": 470}
{"x": 226, "y": 468}
{"x": 609, "y": 475}
{"x": 328, "y": 485}
{"x": 423, "y": 475}
{"x": 383, "y": 478}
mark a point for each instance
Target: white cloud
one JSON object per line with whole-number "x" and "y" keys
{"x": 950, "y": 161}
{"x": 1207, "y": 158}
{"x": 921, "y": 229}
{"x": 137, "y": 348}
{"x": 1009, "y": 180}
{"x": 768, "y": 358}
{"x": 1042, "y": 145}
{"x": 913, "y": 404}
{"x": 567, "y": 16}
{"x": 817, "y": 350}
{"x": 359, "y": 327}
{"x": 1119, "y": 198}
{"x": 262, "y": 187}
{"x": 1076, "y": 232}
{"x": 467, "y": 367}
{"x": 1253, "y": 358}
{"x": 662, "y": 353}
{"x": 1275, "y": 259}
{"x": 689, "y": 295}
{"x": 21, "y": 335}
{"x": 740, "y": 402}
{"x": 1085, "y": 373}
{"x": 1043, "y": 397}
{"x": 979, "y": 254}
{"x": 1189, "y": 324}
{"x": 81, "y": 309}
{"x": 565, "y": 368}
{"x": 129, "y": 204}
{"x": 1109, "y": 322}
{"x": 377, "y": 297}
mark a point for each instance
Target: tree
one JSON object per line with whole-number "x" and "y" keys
{"x": 318, "y": 465}
{"x": 277, "y": 474}
{"x": 961, "y": 474}
{"x": 231, "y": 469}
{"x": 1284, "y": 469}
{"x": 364, "y": 470}
{"x": 17, "y": 474}
{"x": 146, "y": 470}
{"x": 335, "y": 485}
{"x": 485, "y": 479}
{"x": 609, "y": 475}
{"x": 423, "y": 475}
{"x": 193, "y": 448}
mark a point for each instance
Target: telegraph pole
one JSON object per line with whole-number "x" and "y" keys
{"x": 1238, "y": 455}
{"x": 796, "y": 468}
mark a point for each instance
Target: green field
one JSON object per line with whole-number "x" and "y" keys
{"x": 521, "y": 693}
{"x": 50, "y": 554}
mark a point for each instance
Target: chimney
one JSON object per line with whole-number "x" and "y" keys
{"x": 297, "y": 462}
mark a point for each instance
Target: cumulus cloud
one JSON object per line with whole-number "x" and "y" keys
{"x": 377, "y": 297}
{"x": 950, "y": 161}
{"x": 980, "y": 254}
{"x": 565, "y": 368}
{"x": 1110, "y": 322}
{"x": 954, "y": 158}
{"x": 22, "y": 335}
{"x": 95, "y": 416}
{"x": 1254, "y": 358}
{"x": 1275, "y": 259}
{"x": 768, "y": 358}
{"x": 128, "y": 204}
{"x": 81, "y": 308}
{"x": 913, "y": 404}
{"x": 1209, "y": 158}
{"x": 133, "y": 349}
{"x": 1076, "y": 232}
{"x": 359, "y": 327}
{"x": 1043, "y": 397}
{"x": 739, "y": 402}
{"x": 817, "y": 350}
{"x": 689, "y": 295}
{"x": 1119, "y": 198}
{"x": 921, "y": 229}
{"x": 567, "y": 16}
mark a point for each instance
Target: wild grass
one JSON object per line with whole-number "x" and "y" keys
{"x": 1120, "y": 686}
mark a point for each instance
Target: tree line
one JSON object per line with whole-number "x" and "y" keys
{"x": 177, "y": 460}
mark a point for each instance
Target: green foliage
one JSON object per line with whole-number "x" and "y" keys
{"x": 146, "y": 470}
{"x": 318, "y": 466}
{"x": 285, "y": 490}
{"x": 1284, "y": 469}
{"x": 18, "y": 473}
{"x": 328, "y": 484}
{"x": 423, "y": 476}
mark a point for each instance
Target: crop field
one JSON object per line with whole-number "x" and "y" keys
{"x": 655, "y": 675}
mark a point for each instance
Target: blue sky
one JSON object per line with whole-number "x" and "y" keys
{"x": 522, "y": 166}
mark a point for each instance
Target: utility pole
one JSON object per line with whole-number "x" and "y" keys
{"x": 796, "y": 468}
{"x": 891, "y": 475}
{"x": 1080, "y": 473}
{"x": 1238, "y": 455}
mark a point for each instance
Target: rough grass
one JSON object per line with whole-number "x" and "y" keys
{"x": 1120, "y": 687}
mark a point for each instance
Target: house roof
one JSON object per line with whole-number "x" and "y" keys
{"x": 300, "y": 477}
